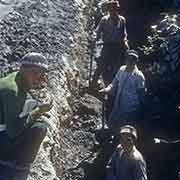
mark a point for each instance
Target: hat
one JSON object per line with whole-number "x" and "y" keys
{"x": 127, "y": 129}
{"x": 113, "y": 3}
{"x": 35, "y": 59}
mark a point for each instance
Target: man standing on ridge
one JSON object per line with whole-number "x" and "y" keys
{"x": 21, "y": 127}
{"x": 112, "y": 30}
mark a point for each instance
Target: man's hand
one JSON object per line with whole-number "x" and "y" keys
{"x": 102, "y": 90}
{"x": 41, "y": 109}
{"x": 45, "y": 107}
{"x": 126, "y": 45}
{"x": 106, "y": 90}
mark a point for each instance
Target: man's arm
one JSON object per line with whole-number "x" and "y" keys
{"x": 16, "y": 123}
{"x": 125, "y": 39}
{"x": 111, "y": 88}
{"x": 99, "y": 29}
{"x": 38, "y": 112}
{"x": 1, "y": 111}
{"x": 141, "y": 89}
{"x": 107, "y": 89}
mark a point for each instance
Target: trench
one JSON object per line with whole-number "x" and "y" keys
{"x": 140, "y": 16}
{"x": 60, "y": 30}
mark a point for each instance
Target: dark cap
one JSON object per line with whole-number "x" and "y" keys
{"x": 127, "y": 129}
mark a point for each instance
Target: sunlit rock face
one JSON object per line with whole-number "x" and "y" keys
{"x": 54, "y": 28}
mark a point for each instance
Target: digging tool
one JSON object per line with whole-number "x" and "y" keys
{"x": 103, "y": 110}
{"x": 92, "y": 46}
{"x": 158, "y": 140}
{"x": 103, "y": 114}
{"x": 92, "y": 56}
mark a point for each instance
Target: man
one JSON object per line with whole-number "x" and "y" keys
{"x": 127, "y": 90}
{"x": 112, "y": 30}
{"x": 126, "y": 162}
{"x": 21, "y": 130}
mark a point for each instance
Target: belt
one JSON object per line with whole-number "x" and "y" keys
{"x": 2, "y": 127}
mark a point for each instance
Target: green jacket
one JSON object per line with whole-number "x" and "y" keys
{"x": 12, "y": 100}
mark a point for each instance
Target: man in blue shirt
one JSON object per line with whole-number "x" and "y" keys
{"x": 126, "y": 163}
{"x": 128, "y": 91}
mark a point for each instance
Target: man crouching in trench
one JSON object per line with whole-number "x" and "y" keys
{"x": 21, "y": 127}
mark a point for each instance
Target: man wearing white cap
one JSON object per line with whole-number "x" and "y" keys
{"x": 126, "y": 163}
{"x": 127, "y": 90}
{"x": 112, "y": 30}
{"x": 20, "y": 132}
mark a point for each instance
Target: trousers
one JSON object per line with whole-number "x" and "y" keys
{"x": 23, "y": 149}
{"x": 111, "y": 58}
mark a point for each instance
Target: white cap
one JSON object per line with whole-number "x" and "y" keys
{"x": 127, "y": 129}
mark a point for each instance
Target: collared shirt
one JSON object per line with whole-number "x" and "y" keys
{"x": 111, "y": 31}
{"x": 124, "y": 166}
{"x": 125, "y": 88}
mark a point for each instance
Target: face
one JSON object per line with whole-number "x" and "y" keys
{"x": 34, "y": 77}
{"x": 130, "y": 60}
{"x": 127, "y": 142}
{"x": 113, "y": 10}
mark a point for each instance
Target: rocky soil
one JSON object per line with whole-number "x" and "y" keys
{"x": 59, "y": 30}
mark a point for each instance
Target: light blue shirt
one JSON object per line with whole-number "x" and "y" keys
{"x": 125, "y": 88}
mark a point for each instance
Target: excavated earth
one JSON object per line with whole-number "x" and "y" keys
{"x": 58, "y": 29}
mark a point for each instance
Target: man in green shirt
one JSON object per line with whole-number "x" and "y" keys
{"x": 21, "y": 131}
